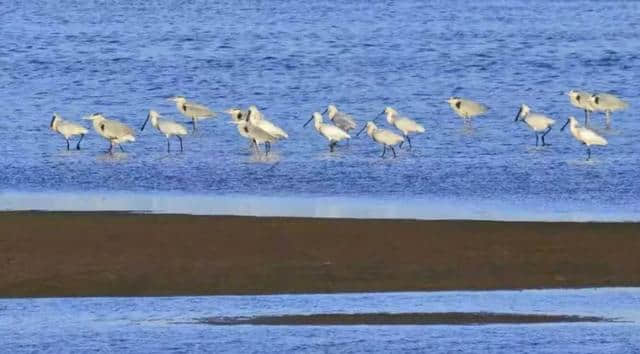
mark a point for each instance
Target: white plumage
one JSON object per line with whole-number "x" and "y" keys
{"x": 584, "y": 135}
{"x": 192, "y": 110}
{"x": 112, "y": 130}
{"x": 238, "y": 115}
{"x": 607, "y": 103}
{"x": 386, "y": 138}
{"x": 341, "y": 120}
{"x": 582, "y": 100}
{"x": 257, "y": 119}
{"x": 167, "y": 127}
{"x": 466, "y": 108}
{"x": 404, "y": 124}
{"x": 331, "y": 132}
{"x": 67, "y": 129}
{"x": 539, "y": 123}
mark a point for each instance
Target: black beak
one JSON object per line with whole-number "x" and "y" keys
{"x": 145, "y": 122}
{"x": 361, "y": 130}
{"x": 52, "y": 120}
{"x": 518, "y": 115}
{"x": 248, "y": 115}
{"x": 305, "y": 124}
{"x": 565, "y": 124}
{"x": 325, "y": 111}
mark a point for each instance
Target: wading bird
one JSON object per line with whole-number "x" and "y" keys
{"x": 386, "y": 138}
{"x": 539, "y": 123}
{"x": 257, "y": 135}
{"x": 67, "y": 129}
{"x": 403, "y": 124}
{"x": 167, "y": 127}
{"x": 581, "y": 99}
{"x": 584, "y": 135}
{"x": 607, "y": 103}
{"x": 466, "y": 108}
{"x": 340, "y": 119}
{"x": 331, "y": 132}
{"x": 112, "y": 130}
{"x": 256, "y": 118}
{"x": 192, "y": 110}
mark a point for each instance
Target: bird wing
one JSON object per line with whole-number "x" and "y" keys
{"x": 70, "y": 128}
{"x": 590, "y": 137}
{"x": 387, "y": 137}
{"x": 113, "y": 129}
{"x": 610, "y": 102}
{"x": 475, "y": 108}
{"x": 344, "y": 121}
{"x": 197, "y": 110}
{"x": 333, "y": 132}
{"x": 272, "y": 129}
{"x": 171, "y": 127}
{"x": 409, "y": 125}
{"x": 539, "y": 121}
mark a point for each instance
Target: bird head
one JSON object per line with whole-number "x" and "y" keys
{"x": 522, "y": 112}
{"x": 331, "y": 111}
{"x": 54, "y": 119}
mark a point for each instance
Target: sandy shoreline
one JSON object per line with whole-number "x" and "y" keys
{"x": 118, "y": 254}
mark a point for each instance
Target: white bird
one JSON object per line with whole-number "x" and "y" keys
{"x": 384, "y": 137}
{"x": 167, "y": 127}
{"x": 466, "y": 108}
{"x": 403, "y": 124}
{"x": 539, "y": 123}
{"x": 331, "y": 132}
{"x": 607, "y": 103}
{"x": 257, "y": 135}
{"x": 256, "y": 118}
{"x": 581, "y": 99}
{"x": 112, "y": 130}
{"x": 67, "y": 129}
{"x": 192, "y": 110}
{"x": 584, "y": 135}
{"x": 340, "y": 119}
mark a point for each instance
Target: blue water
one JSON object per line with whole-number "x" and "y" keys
{"x": 291, "y": 59}
{"x": 147, "y": 325}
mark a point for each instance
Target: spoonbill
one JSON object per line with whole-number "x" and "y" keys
{"x": 256, "y": 134}
{"x": 539, "y": 123}
{"x": 581, "y": 99}
{"x": 403, "y": 124}
{"x": 466, "y": 108}
{"x": 331, "y": 132}
{"x": 340, "y": 119}
{"x": 384, "y": 137}
{"x": 607, "y": 103}
{"x": 112, "y": 130}
{"x": 67, "y": 129}
{"x": 584, "y": 135}
{"x": 255, "y": 117}
{"x": 238, "y": 115}
{"x": 192, "y": 110}
{"x": 167, "y": 127}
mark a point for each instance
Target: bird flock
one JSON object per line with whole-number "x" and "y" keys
{"x": 252, "y": 125}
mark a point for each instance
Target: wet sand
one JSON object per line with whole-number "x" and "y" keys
{"x": 117, "y": 254}
{"x": 431, "y": 318}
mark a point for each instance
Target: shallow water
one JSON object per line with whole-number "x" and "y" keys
{"x": 171, "y": 324}
{"x": 292, "y": 59}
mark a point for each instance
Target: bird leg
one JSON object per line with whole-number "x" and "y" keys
{"x": 384, "y": 150}
{"x": 121, "y": 148}
{"x": 400, "y": 146}
{"x": 409, "y": 140}
{"x": 608, "y": 115}
{"x": 543, "y": 135}
{"x": 393, "y": 150}
{"x": 168, "y": 145}
{"x": 67, "y": 144}
{"x": 180, "y": 138}
{"x": 193, "y": 120}
{"x": 267, "y": 148}
{"x": 78, "y": 145}
{"x": 588, "y": 153}
{"x": 110, "y": 147}
{"x": 586, "y": 118}
{"x": 331, "y": 145}
{"x": 536, "y": 138}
